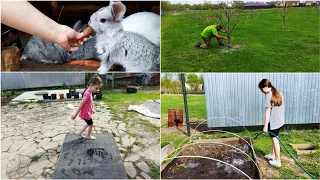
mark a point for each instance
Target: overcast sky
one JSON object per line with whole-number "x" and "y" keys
{"x": 202, "y": 1}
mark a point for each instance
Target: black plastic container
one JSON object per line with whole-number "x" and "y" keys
{"x": 45, "y": 96}
{"x": 131, "y": 90}
{"x": 76, "y": 95}
{"x": 99, "y": 96}
{"x": 69, "y": 95}
{"x": 53, "y": 96}
{"x": 72, "y": 92}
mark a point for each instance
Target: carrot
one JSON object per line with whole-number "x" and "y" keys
{"x": 86, "y": 33}
{"x": 87, "y": 63}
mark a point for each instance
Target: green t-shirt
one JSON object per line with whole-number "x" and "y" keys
{"x": 209, "y": 31}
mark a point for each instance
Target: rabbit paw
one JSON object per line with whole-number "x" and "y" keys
{"x": 102, "y": 70}
{"x": 23, "y": 57}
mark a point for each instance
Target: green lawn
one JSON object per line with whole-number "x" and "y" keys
{"x": 264, "y": 46}
{"x": 196, "y": 105}
{"x": 262, "y": 145}
{"x": 120, "y": 101}
{"x": 115, "y": 99}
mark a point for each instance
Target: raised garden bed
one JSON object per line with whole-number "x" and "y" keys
{"x": 204, "y": 168}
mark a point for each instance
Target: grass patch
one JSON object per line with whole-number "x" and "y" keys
{"x": 176, "y": 138}
{"x": 287, "y": 173}
{"x": 137, "y": 143}
{"x": 114, "y": 99}
{"x": 132, "y": 119}
{"x": 13, "y": 105}
{"x": 122, "y": 151}
{"x": 35, "y": 158}
{"x": 163, "y": 144}
{"x": 264, "y": 46}
{"x": 119, "y": 102}
{"x": 8, "y": 93}
{"x": 154, "y": 169}
{"x": 312, "y": 167}
{"x": 196, "y": 105}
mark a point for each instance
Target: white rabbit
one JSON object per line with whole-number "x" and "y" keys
{"x": 144, "y": 23}
{"x": 131, "y": 50}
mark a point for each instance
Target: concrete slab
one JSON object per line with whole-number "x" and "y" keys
{"x": 167, "y": 150}
{"x": 32, "y": 95}
{"x": 90, "y": 159}
{"x": 304, "y": 148}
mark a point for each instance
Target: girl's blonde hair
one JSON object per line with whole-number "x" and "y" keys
{"x": 276, "y": 99}
{"x": 94, "y": 80}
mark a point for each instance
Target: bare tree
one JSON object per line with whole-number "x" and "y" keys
{"x": 227, "y": 11}
{"x": 283, "y": 8}
{"x": 309, "y": 9}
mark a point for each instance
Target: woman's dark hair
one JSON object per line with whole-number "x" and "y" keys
{"x": 276, "y": 99}
{"x": 95, "y": 80}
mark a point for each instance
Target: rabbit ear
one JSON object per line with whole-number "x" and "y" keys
{"x": 118, "y": 10}
{"x": 113, "y": 2}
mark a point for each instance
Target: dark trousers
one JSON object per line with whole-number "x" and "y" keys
{"x": 207, "y": 41}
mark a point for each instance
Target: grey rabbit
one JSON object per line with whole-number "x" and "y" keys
{"x": 47, "y": 52}
{"x": 116, "y": 46}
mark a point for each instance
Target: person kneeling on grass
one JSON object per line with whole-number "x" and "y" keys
{"x": 86, "y": 106}
{"x": 274, "y": 118}
{"x": 208, "y": 33}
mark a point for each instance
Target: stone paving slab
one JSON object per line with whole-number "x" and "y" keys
{"x": 39, "y": 130}
{"x": 90, "y": 159}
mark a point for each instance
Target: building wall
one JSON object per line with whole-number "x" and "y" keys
{"x": 35, "y": 80}
{"x": 237, "y": 96}
{"x": 309, "y": 3}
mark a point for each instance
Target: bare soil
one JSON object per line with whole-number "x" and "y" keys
{"x": 200, "y": 168}
{"x": 6, "y": 100}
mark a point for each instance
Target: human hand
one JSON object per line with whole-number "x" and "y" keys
{"x": 265, "y": 129}
{"x": 73, "y": 117}
{"x": 68, "y": 38}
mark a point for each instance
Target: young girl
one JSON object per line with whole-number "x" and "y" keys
{"x": 274, "y": 118}
{"x": 86, "y": 106}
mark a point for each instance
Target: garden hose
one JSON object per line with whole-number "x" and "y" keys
{"x": 295, "y": 160}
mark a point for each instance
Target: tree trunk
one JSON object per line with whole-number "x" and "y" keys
{"x": 229, "y": 41}
{"x": 284, "y": 18}
{"x": 308, "y": 9}
{"x": 229, "y": 31}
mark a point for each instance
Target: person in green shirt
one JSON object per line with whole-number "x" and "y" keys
{"x": 209, "y": 32}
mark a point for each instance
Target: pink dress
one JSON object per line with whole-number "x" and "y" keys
{"x": 87, "y": 109}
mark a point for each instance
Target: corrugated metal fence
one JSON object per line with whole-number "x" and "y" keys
{"x": 33, "y": 80}
{"x": 237, "y": 96}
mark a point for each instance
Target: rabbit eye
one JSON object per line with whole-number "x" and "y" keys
{"x": 103, "y": 20}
